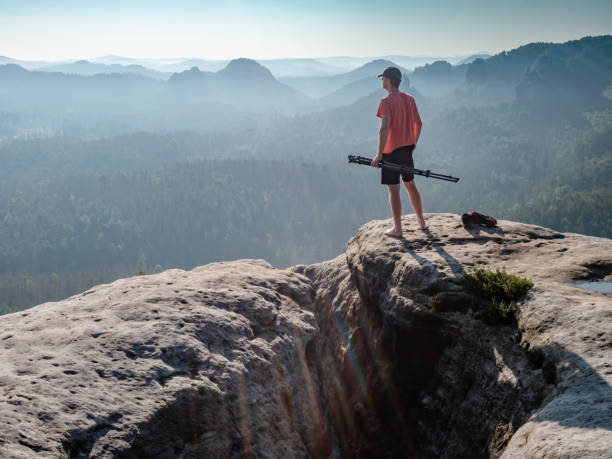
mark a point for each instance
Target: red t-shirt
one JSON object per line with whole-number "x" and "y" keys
{"x": 405, "y": 121}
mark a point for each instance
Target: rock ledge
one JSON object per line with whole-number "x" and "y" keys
{"x": 341, "y": 358}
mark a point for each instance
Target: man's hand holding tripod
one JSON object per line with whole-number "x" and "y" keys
{"x": 377, "y": 160}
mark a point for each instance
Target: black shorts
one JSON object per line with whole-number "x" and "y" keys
{"x": 403, "y": 156}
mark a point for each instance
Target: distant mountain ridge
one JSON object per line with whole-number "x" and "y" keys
{"x": 243, "y": 82}
{"x": 352, "y": 92}
{"x": 547, "y": 80}
{"x": 280, "y": 67}
{"x": 317, "y": 87}
{"x": 27, "y": 64}
{"x": 438, "y": 78}
{"x": 535, "y": 70}
{"x": 246, "y": 69}
{"x": 69, "y": 81}
{"x": 84, "y": 67}
{"x": 472, "y": 58}
{"x": 57, "y": 99}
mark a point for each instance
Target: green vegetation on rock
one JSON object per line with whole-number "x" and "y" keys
{"x": 495, "y": 293}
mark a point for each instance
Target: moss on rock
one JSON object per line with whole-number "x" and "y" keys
{"x": 495, "y": 293}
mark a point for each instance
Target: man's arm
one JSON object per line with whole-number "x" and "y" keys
{"x": 419, "y": 126}
{"x": 383, "y": 133}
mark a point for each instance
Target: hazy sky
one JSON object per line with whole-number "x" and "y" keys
{"x": 62, "y": 29}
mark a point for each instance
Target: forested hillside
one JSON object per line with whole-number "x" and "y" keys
{"x": 529, "y": 133}
{"x": 287, "y": 212}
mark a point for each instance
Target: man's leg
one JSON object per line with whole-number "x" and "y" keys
{"x": 396, "y": 209}
{"x": 415, "y": 200}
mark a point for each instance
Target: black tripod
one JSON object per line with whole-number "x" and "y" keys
{"x": 403, "y": 169}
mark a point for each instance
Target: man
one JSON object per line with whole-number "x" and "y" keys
{"x": 400, "y": 128}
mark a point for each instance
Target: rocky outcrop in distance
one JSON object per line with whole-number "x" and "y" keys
{"x": 344, "y": 358}
{"x": 243, "y": 83}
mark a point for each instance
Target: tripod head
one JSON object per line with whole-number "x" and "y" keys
{"x": 359, "y": 160}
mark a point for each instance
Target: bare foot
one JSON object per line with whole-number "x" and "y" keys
{"x": 394, "y": 233}
{"x": 422, "y": 225}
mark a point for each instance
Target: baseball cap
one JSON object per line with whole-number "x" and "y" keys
{"x": 391, "y": 72}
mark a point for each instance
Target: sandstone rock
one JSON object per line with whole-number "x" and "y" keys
{"x": 342, "y": 358}
{"x": 179, "y": 364}
{"x": 563, "y": 395}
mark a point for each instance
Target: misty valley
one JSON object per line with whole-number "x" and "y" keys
{"x": 108, "y": 172}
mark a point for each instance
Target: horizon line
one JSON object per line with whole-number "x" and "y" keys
{"x": 415, "y": 56}
{"x": 491, "y": 53}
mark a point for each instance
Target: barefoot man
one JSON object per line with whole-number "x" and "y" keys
{"x": 400, "y": 127}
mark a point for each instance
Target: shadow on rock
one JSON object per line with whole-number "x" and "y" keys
{"x": 475, "y": 230}
{"x": 583, "y": 400}
{"x": 453, "y": 264}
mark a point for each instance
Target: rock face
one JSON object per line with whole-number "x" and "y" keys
{"x": 340, "y": 359}
{"x": 206, "y": 363}
{"x": 458, "y": 387}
